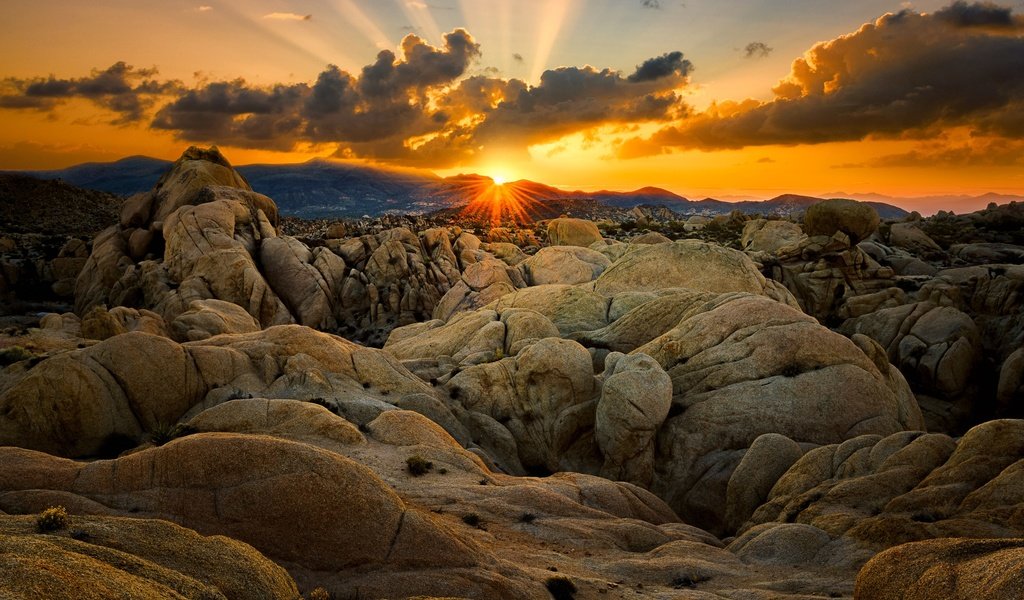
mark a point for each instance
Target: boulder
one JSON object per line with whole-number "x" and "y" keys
{"x": 956, "y": 569}
{"x": 688, "y": 264}
{"x": 761, "y": 235}
{"x": 109, "y": 557}
{"x": 572, "y": 232}
{"x": 855, "y": 219}
{"x": 564, "y": 265}
{"x": 207, "y": 318}
{"x": 635, "y": 399}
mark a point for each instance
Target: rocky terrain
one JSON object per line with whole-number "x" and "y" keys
{"x": 244, "y": 406}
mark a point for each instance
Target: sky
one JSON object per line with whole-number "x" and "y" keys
{"x": 723, "y": 98}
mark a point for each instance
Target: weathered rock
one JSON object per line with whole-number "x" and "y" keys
{"x": 871, "y": 492}
{"x": 761, "y": 235}
{"x": 936, "y": 347}
{"x": 855, "y": 219}
{"x": 635, "y": 399}
{"x": 687, "y": 264}
{"x": 207, "y": 318}
{"x": 106, "y": 557}
{"x": 572, "y": 232}
{"x": 90, "y": 400}
{"x": 731, "y": 374}
{"x": 910, "y": 237}
{"x": 564, "y": 265}
{"x": 651, "y": 237}
{"x": 256, "y": 489}
{"x": 957, "y": 569}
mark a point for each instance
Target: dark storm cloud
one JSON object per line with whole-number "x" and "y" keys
{"x": 121, "y": 88}
{"x": 978, "y": 14}
{"x": 670, "y": 63}
{"x": 237, "y": 113}
{"x": 757, "y": 50}
{"x": 906, "y": 75}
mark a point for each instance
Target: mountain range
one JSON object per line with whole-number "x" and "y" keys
{"x": 338, "y": 189}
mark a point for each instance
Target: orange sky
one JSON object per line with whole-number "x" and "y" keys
{"x": 683, "y": 127}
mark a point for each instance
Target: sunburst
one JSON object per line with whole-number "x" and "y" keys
{"x": 499, "y": 201}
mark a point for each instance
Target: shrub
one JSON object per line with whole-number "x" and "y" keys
{"x": 319, "y": 594}
{"x": 471, "y": 519}
{"x": 165, "y": 432}
{"x": 561, "y": 588}
{"x": 9, "y": 356}
{"x": 418, "y": 465}
{"x": 687, "y": 581}
{"x": 54, "y": 518}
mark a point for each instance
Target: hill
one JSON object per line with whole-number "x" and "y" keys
{"x": 31, "y": 205}
{"x": 337, "y": 189}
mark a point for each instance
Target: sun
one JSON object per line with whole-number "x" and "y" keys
{"x": 499, "y": 178}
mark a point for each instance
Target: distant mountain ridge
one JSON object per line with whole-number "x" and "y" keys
{"x": 335, "y": 189}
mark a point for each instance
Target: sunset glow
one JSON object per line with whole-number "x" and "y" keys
{"x": 499, "y": 203}
{"x": 696, "y": 98}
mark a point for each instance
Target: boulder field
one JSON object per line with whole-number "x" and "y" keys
{"x": 663, "y": 419}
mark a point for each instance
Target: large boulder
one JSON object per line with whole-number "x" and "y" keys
{"x": 207, "y": 318}
{"x": 690, "y": 264}
{"x": 261, "y": 490}
{"x": 636, "y": 396}
{"x": 109, "y": 557}
{"x": 564, "y": 265}
{"x": 855, "y": 219}
{"x": 573, "y": 232}
{"x": 761, "y": 235}
{"x": 734, "y": 379}
{"x": 955, "y": 569}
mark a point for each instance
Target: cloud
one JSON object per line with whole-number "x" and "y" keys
{"x": 204, "y": 8}
{"x": 652, "y": 4}
{"x": 757, "y": 50}
{"x": 979, "y": 14}
{"x": 977, "y": 153}
{"x": 121, "y": 88}
{"x": 671, "y": 63}
{"x": 287, "y": 16}
{"x": 907, "y": 75}
{"x": 422, "y": 104}
{"x": 517, "y": 57}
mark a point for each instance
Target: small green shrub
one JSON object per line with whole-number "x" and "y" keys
{"x": 418, "y": 465}
{"x": 54, "y": 518}
{"x": 561, "y": 588}
{"x": 9, "y": 356}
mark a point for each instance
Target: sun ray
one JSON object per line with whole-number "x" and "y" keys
{"x": 290, "y": 37}
{"x": 499, "y": 203}
{"x": 419, "y": 13}
{"x": 553, "y": 18}
{"x": 348, "y": 10}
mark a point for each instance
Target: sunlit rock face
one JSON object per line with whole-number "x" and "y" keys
{"x": 203, "y": 234}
